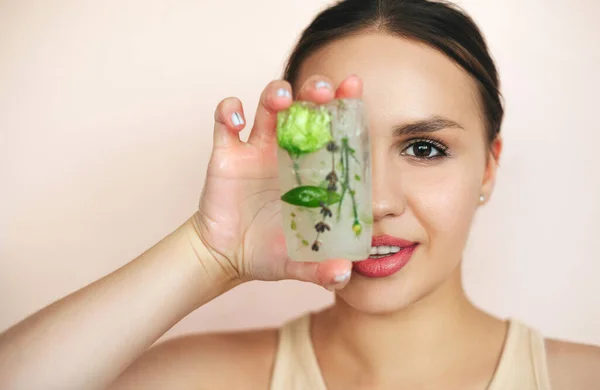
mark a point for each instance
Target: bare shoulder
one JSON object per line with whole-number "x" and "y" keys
{"x": 233, "y": 360}
{"x": 573, "y": 365}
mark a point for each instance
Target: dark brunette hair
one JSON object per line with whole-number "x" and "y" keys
{"x": 439, "y": 24}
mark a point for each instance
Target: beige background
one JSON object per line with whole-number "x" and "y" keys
{"x": 105, "y": 131}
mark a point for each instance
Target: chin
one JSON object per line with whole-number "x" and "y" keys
{"x": 379, "y": 296}
{"x": 390, "y": 294}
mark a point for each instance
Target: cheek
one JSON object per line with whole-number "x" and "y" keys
{"x": 443, "y": 200}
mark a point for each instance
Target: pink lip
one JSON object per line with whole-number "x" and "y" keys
{"x": 386, "y": 266}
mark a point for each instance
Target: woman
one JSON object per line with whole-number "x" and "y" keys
{"x": 431, "y": 90}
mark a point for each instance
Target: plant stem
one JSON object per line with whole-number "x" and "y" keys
{"x": 347, "y": 177}
{"x": 343, "y": 182}
{"x": 296, "y": 169}
{"x": 331, "y": 188}
{"x": 332, "y": 161}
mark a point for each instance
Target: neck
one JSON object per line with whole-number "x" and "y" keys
{"x": 432, "y": 332}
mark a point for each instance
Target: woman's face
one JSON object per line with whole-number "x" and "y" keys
{"x": 430, "y": 159}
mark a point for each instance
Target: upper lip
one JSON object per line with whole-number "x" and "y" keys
{"x": 391, "y": 241}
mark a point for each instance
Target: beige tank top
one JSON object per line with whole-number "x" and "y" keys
{"x": 522, "y": 364}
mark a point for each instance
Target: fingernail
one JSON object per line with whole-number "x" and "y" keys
{"x": 342, "y": 277}
{"x": 283, "y": 92}
{"x": 339, "y": 281}
{"x": 322, "y": 85}
{"x": 237, "y": 119}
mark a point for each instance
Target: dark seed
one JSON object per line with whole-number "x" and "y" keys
{"x": 331, "y": 176}
{"x": 326, "y": 212}
{"x": 332, "y": 187}
{"x": 332, "y": 147}
{"x": 321, "y": 227}
{"x": 315, "y": 246}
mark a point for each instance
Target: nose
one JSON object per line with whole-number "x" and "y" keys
{"x": 388, "y": 198}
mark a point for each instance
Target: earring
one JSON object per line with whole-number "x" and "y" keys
{"x": 481, "y": 198}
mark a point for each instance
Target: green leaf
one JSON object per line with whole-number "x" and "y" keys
{"x": 293, "y": 225}
{"x": 356, "y": 177}
{"x": 304, "y": 242}
{"x": 310, "y": 196}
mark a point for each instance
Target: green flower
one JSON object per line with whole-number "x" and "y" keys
{"x": 303, "y": 129}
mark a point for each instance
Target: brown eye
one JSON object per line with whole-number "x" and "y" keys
{"x": 423, "y": 149}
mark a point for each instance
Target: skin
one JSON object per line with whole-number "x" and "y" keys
{"x": 429, "y": 201}
{"x": 411, "y": 330}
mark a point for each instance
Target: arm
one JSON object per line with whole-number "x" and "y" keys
{"x": 222, "y": 360}
{"x": 85, "y": 340}
{"x": 573, "y": 365}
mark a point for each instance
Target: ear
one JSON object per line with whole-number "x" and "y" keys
{"x": 491, "y": 168}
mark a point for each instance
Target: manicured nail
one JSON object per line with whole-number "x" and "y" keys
{"x": 323, "y": 85}
{"x": 342, "y": 277}
{"x": 282, "y": 92}
{"x": 237, "y": 119}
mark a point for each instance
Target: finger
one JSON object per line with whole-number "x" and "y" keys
{"x": 350, "y": 88}
{"x": 331, "y": 274}
{"x": 229, "y": 121}
{"x": 275, "y": 97}
{"x": 317, "y": 89}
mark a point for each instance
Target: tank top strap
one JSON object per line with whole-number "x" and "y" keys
{"x": 522, "y": 364}
{"x": 296, "y": 366}
{"x": 539, "y": 359}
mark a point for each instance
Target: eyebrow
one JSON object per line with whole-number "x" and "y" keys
{"x": 428, "y": 125}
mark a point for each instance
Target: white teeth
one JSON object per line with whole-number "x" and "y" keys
{"x": 383, "y": 250}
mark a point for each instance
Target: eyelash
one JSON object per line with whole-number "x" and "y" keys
{"x": 437, "y": 144}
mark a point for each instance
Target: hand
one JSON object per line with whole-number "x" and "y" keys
{"x": 239, "y": 217}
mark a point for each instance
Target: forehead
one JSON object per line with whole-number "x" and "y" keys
{"x": 403, "y": 79}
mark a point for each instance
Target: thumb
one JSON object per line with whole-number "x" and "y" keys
{"x": 331, "y": 274}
